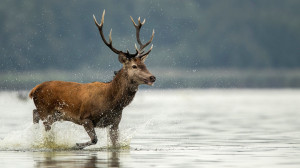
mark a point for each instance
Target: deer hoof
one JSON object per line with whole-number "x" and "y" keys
{"x": 80, "y": 146}
{"x": 83, "y": 145}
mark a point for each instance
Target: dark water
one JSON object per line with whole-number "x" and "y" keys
{"x": 165, "y": 128}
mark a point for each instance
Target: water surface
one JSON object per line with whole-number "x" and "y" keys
{"x": 165, "y": 128}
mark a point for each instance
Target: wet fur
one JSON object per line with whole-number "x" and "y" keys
{"x": 92, "y": 105}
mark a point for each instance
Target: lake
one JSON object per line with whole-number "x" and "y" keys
{"x": 164, "y": 128}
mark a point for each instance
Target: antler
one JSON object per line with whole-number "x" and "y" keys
{"x": 109, "y": 44}
{"x": 142, "y": 46}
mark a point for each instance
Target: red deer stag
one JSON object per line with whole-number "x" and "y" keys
{"x": 95, "y": 104}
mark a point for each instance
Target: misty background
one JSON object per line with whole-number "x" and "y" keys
{"x": 197, "y": 43}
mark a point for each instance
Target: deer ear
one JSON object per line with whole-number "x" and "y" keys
{"x": 122, "y": 58}
{"x": 143, "y": 58}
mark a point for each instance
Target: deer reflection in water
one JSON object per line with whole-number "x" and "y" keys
{"x": 79, "y": 159}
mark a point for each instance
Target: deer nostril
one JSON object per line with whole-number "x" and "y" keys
{"x": 152, "y": 78}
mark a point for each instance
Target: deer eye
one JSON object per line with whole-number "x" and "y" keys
{"x": 134, "y": 66}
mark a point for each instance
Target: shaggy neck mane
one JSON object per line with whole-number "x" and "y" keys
{"x": 122, "y": 90}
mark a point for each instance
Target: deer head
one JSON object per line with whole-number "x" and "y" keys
{"x": 133, "y": 64}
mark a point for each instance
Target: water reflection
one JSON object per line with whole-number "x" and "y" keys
{"x": 85, "y": 159}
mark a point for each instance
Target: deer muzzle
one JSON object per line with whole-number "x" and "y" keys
{"x": 150, "y": 81}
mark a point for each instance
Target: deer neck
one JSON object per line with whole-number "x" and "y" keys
{"x": 122, "y": 88}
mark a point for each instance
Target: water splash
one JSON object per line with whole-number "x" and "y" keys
{"x": 64, "y": 136}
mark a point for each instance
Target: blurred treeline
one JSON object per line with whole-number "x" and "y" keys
{"x": 40, "y": 35}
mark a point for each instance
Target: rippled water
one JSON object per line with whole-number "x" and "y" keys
{"x": 165, "y": 128}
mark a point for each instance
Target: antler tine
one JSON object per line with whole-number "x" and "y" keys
{"x": 151, "y": 38}
{"x": 139, "y": 52}
{"x": 109, "y": 44}
{"x": 142, "y": 55}
{"x": 139, "y": 20}
{"x": 102, "y": 19}
{"x": 110, "y": 40}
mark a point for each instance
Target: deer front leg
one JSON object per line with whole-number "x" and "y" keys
{"x": 35, "y": 116}
{"x": 48, "y": 122}
{"x": 114, "y": 130}
{"x": 89, "y": 127}
{"x": 114, "y": 135}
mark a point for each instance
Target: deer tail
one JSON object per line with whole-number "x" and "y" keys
{"x": 32, "y": 91}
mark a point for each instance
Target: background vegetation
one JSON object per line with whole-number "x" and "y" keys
{"x": 197, "y": 43}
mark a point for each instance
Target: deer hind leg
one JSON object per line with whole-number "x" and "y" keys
{"x": 44, "y": 115}
{"x": 48, "y": 122}
{"x": 89, "y": 127}
{"x": 36, "y": 116}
